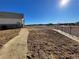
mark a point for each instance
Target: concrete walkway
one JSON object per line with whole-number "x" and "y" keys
{"x": 68, "y": 35}
{"x": 16, "y": 48}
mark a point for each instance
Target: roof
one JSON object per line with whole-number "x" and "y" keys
{"x": 11, "y": 15}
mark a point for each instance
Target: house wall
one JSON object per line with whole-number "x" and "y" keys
{"x": 9, "y": 21}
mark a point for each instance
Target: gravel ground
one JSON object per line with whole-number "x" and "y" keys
{"x": 48, "y": 44}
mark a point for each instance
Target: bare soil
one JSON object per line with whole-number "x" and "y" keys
{"x": 6, "y": 35}
{"x": 48, "y": 44}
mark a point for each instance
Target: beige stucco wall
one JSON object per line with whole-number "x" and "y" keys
{"x": 9, "y": 20}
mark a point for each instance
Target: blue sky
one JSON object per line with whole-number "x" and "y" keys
{"x": 43, "y": 11}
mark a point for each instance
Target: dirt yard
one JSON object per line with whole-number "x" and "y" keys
{"x": 42, "y": 43}
{"x": 6, "y": 35}
{"x": 48, "y": 44}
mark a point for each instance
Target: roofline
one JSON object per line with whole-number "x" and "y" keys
{"x": 21, "y": 15}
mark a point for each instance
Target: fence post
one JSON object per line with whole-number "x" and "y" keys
{"x": 70, "y": 29}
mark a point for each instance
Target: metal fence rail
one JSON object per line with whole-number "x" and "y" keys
{"x": 73, "y": 30}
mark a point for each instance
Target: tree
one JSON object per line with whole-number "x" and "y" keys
{"x": 77, "y": 23}
{"x": 49, "y": 24}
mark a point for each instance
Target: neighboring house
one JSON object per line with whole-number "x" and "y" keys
{"x": 11, "y": 20}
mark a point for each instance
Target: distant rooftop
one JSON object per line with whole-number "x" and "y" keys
{"x": 11, "y": 15}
